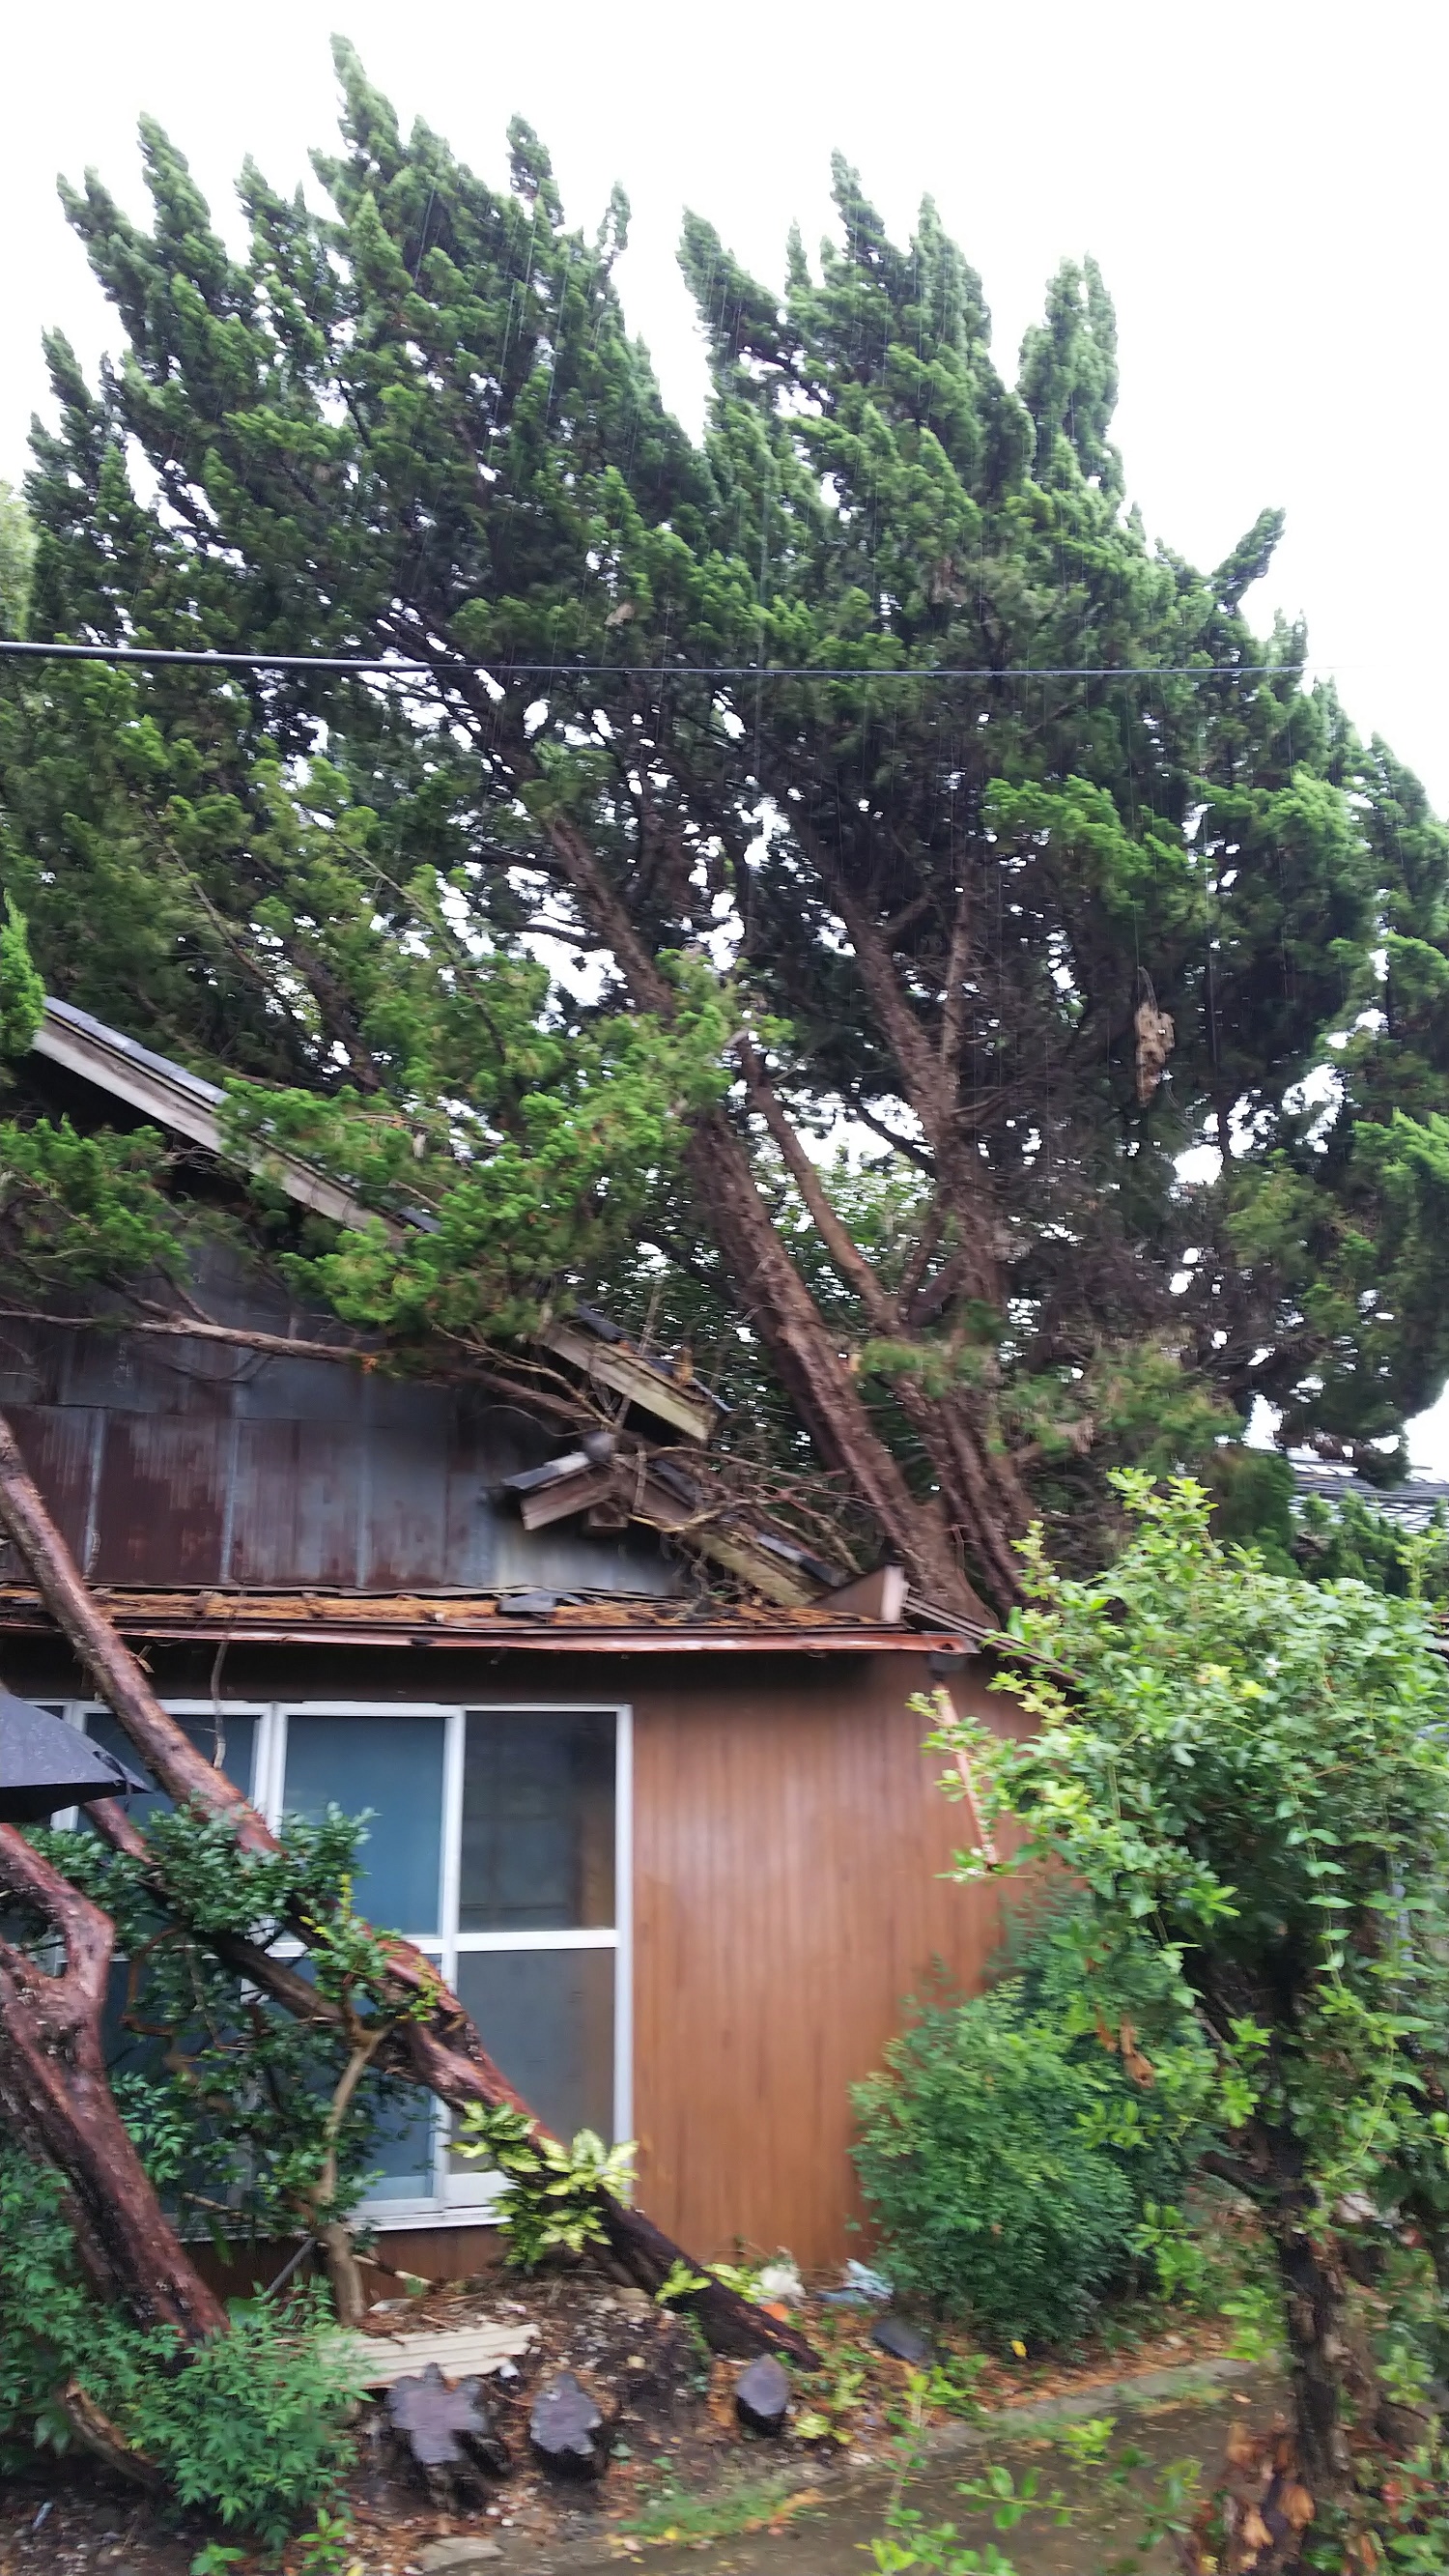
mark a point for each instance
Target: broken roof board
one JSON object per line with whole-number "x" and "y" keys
{"x": 632, "y": 1626}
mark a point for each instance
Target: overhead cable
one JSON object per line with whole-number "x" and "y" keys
{"x": 400, "y": 667}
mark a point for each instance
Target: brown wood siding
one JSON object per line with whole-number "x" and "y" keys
{"x": 788, "y": 1844}
{"x": 789, "y": 1839}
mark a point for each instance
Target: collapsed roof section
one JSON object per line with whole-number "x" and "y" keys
{"x": 185, "y": 1105}
{"x": 628, "y": 1475}
{"x": 561, "y": 1622}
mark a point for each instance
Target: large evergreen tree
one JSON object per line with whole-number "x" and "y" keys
{"x": 598, "y": 959}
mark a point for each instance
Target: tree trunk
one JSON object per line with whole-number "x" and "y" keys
{"x": 344, "y": 2273}
{"x": 981, "y": 1504}
{"x": 1315, "y": 2299}
{"x": 442, "y": 2049}
{"x": 57, "y": 2101}
{"x": 927, "y": 1534}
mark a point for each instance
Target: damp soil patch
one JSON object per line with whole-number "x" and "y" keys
{"x": 679, "y": 2459}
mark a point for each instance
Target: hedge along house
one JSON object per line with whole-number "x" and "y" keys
{"x": 681, "y": 1855}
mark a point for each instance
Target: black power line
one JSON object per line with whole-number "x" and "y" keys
{"x": 398, "y": 667}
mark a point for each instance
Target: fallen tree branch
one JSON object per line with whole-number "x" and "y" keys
{"x": 106, "y": 2440}
{"x": 442, "y": 2049}
{"x": 56, "y": 2099}
{"x": 525, "y": 1391}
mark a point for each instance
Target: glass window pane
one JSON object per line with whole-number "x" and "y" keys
{"x": 237, "y": 1743}
{"x": 547, "y": 2018}
{"x": 538, "y": 1821}
{"x": 395, "y": 1766}
{"x": 402, "y": 2153}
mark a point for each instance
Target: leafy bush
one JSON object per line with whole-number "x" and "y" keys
{"x": 251, "y": 2425}
{"x": 975, "y": 2155}
{"x": 1014, "y": 2143}
{"x": 551, "y": 2205}
{"x": 1121, "y": 2014}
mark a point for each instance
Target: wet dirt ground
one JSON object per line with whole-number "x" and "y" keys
{"x": 1105, "y": 2530}
{"x": 675, "y": 2435}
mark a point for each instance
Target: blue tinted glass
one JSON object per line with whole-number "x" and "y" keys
{"x": 402, "y": 2152}
{"x": 394, "y": 1765}
{"x": 233, "y": 1736}
{"x": 547, "y": 2018}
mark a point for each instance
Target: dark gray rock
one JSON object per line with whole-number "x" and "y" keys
{"x": 762, "y": 2396}
{"x": 903, "y": 2341}
{"x": 567, "y": 2430}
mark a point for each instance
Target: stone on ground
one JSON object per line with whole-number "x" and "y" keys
{"x": 567, "y": 2430}
{"x": 762, "y": 2396}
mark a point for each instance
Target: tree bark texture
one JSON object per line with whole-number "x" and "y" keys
{"x": 1315, "y": 2296}
{"x": 57, "y": 2101}
{"x": 441, "y": 2050}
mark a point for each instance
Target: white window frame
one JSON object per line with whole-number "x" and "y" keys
{"x": 456, "y": 2200}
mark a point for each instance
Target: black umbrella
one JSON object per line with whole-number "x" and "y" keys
{"x": 46, "y": 1765}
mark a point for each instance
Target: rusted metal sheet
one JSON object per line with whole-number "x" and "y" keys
{"x": 60, "y": 1449}
{"x": 159, "y": 1499}
{"x": 298, "y": 1492}
{"x": 189, "y": 1463}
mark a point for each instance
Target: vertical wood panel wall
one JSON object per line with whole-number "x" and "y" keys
{"x": 788, "y": 1842}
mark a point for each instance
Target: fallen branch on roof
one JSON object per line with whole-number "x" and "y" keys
{"x": 525, "y": 1391}
{"x": 443, "y": 2051}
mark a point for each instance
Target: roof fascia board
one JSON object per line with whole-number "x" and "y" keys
{"x": 147, "y": 1083}
{"x": 188, "y": 1107}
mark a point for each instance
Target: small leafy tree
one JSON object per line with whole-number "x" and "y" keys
{"x": 1254, "y": 1771}
{"x": 252, "y": 2121}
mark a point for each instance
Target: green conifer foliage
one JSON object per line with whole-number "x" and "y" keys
{"x": 1035, "y": 939}
{"x": 17, "y": 550}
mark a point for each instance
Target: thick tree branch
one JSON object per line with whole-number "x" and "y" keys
{"x": 955, "y": 1011}
{"x": 854, "y": 1270}
{"x": 56, "y": 2099}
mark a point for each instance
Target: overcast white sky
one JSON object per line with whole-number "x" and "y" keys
{"x": 1263, "y": 181}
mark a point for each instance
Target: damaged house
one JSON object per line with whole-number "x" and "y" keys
{"x": 643, "y": 1772}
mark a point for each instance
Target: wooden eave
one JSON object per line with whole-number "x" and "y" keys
{"x": 633, "y": 1626}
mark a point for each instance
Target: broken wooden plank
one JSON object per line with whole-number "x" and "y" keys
{"x": 459, "y": 2352}
{"x": 686, "y": 1408}
{"x": 878, "y": 1596}
{"x": 732, "y": 1548}
{"x": 566, "y": 1497}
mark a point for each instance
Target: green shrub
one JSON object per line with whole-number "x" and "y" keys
{"x": 1111, "y": 2003}
{"x": 1007, "y": 2150}
{"x": 975, "y": 2155}
{"x": 250, "y": 2426}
